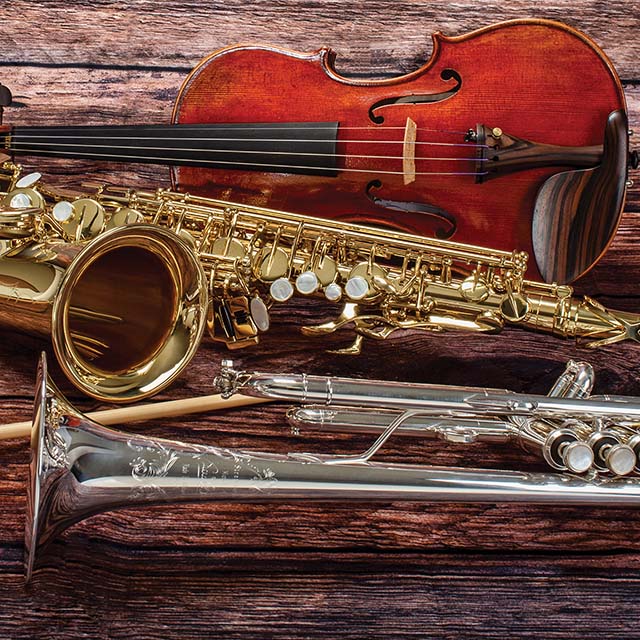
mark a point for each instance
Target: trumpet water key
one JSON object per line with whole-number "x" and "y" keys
{"x": 80, "y": 468}
{"x": 255, "y": 258}
{"x": 571, "y": 430}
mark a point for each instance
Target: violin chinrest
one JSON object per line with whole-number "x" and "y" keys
{"x": 577, "y": 212}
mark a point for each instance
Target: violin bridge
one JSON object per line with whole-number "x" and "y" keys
{"x": 409, "y": 152}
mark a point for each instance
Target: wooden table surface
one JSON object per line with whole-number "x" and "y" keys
{"x": 307, "y": 570}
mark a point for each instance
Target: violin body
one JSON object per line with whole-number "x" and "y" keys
{"x": 510, "y": 137}
{"x": 535, "y": 79}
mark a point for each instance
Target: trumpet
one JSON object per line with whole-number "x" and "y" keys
{"x": 255, "y": 259}
{"x": 569, "y": 428}
{"x": 79, "y": 468}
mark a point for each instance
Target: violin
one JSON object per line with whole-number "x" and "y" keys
{"x": 511, "y": 136}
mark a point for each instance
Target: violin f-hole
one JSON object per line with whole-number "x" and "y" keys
{"x": 442, "y": 232}
{"x": 426, "y": 98}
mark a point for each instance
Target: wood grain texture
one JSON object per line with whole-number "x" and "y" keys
{"x": 322, "y": 570}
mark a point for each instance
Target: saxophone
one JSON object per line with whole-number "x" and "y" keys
{"x": 254, "y": 258}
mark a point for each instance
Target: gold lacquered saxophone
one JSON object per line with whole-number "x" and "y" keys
{"x": 254, "y": 258}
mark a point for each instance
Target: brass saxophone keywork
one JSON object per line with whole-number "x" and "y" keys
{"x": 255, "y": 258}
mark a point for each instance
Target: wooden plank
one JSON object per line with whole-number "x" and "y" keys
{"x": 376, "y": 38}
{"x": 314, "y": 595}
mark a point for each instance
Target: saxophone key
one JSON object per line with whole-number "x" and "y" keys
{"x": 124, "y": 216}
{"x": 360, "y": 285}
{"x": 81, "y": 219}
{"x": 307, "y": 283}
{"x": 18, "y": 224}
{"x": 474, "y": 289}
{"x": 28, "y": 181}
{"x": 237, "y": 325}
{"x": 228, "y": 247}
{"x": 24, "y": 198}
{"x": 514, "y": 307}
{"x": 272, "y": 264}
{"x": 333, "y": 292}
{"x": 326, "y": 270}
{"x": 357, "y": 288}
{"x": 259, "y": 313}
{"x": 281, "y": 290}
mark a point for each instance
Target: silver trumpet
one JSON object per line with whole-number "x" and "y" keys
{"x": 569, "y": 428}
{"x": 80, "y": 468}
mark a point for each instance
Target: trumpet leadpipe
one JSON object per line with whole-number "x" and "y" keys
{"x": 562, "y": 448}
{"x": 565, "y": 426}
{"x": 455, "y": 401}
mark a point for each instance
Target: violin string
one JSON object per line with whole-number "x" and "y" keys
{"x": 208, "y": 139}
{"x": 20, "y": 146}
{"x": 120, "y": 157}
{"x": 239, "y": 127}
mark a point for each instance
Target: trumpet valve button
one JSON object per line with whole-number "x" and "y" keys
{"x": 578, "y": 457}
{"x": 281, "y": 290}
{"x": 307, "y": 283}
{"x": 29, "y": 180}
{"x": 333, "y": 292}
{"x": 259, "y": 313}
{"x": 621, "y": 459}
{"x": 63, "y": 211}
{"x": 356, "y": 288}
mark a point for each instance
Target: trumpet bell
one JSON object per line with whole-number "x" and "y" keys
{"x": 42, "y": 483}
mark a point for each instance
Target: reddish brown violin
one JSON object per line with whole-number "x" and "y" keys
{"x": 512, "y": 136}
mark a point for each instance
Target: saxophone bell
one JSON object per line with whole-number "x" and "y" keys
{"x": 125, "y": 311}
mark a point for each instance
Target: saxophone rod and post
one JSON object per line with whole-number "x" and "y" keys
{"x": 79, "y": 468}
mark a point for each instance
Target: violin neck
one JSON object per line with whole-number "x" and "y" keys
{"x": 300, "y": 147}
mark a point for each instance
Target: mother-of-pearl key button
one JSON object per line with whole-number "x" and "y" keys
{"x": 259, "y": 313}
{"x": 578, "y": 457}
{"x": 307, "y": 283}
{"x": 281, "y": 290}
{"x": 333, "y": 292}
{"x": 356, "y": 287}
{"x": 29, "y": 180}
{"x": 63, "y": 211}
{"x": 621, "y": 459}
{"x": 20, "y": 201}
